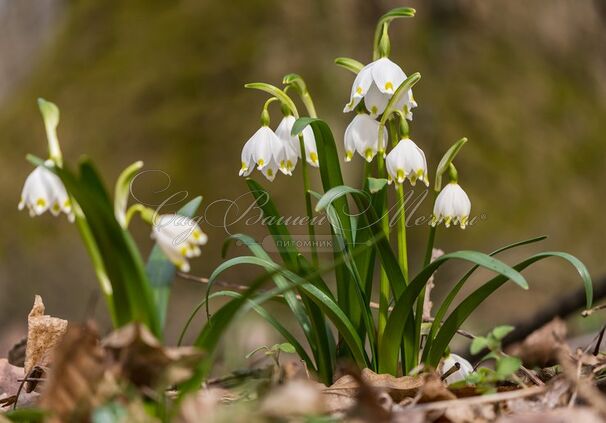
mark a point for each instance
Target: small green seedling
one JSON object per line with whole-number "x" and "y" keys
{"x": 274, "y": 351}
{"x": 484, "y": 378}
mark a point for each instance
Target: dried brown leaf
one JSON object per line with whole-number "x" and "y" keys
{"x": 139, "y": 357}
{"x": 434, "y": 389}
{"x": 78, "y": 368}
{"x": 559, "y": 415}
{"x": 345, "y": 392}
{"x": 295, "y": 398}
{"x": 43, "y": 333}
{"x": 540, "y": 348}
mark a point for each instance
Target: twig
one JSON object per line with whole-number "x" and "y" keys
{"x": 589, "y": 312}
{"x": 461, "y": 332}
{"x": 453, "y": 369}
{"x": 483, "y": 399}
{"x": 596, "y": 350}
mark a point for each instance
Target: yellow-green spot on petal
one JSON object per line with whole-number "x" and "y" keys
{"x": 368, "y": 154}
{"x": 261, "y": 162}
{"x": 359, "y": 90}
{"x": 400, "y": 175}
{"x": 41, "y": 202}
{"x": 388, "y": 86}
{"x": 313, "y": 156}
{"x": 374, "y": 110}
{"x": 348, "y": 155}
{"x": 270, "y": 172}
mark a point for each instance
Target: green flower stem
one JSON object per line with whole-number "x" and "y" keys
{"x": 308, "y": 207}
{"x": 297, "y": 83}
{"x": 309, "y": 104}
{"x": 402, "y": 246}
{"x": 98, "y": 265}
{"x": 384, "y": 288}
{"x": 147, "y": 214}
{"x": 421, "y": 298}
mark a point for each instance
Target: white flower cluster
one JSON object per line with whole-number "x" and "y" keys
{"x": 272, "y": 151}
{"x": 375, "y": 84}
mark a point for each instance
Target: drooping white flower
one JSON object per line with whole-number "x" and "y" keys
{"x": 42, "y": 191}
{"x": 362, "y": 135}
{"x": 179, "y": 237}
{"x": 293, "y": 152}
{"x": 465, "y": 368}
{"x": 407, "y": 160}
{"x": 265, "y": 150}
{"x": 376, "y": 83}
{"x": 451, "y": 206}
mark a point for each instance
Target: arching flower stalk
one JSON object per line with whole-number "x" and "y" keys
{"x": 43, "y": 190}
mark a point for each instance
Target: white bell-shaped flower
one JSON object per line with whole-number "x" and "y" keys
{"x": 407, "y": 160}
{"x": 362, "y": 136}
{"x": 465, "y": 368}
{"x": 42, "y": 191}
{"x": 293, "y": 149}
{"x": 451, "y": 206}
{"x": 376, "y": 83}
{"x": 179, "y": 237}
{"x": 265, "y": 150}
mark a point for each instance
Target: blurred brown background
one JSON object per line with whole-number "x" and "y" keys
{"x": 162, "y": 81}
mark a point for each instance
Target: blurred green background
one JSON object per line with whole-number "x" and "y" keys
{"x": 162, "y": 82}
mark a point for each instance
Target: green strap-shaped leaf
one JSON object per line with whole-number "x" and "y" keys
{"x": 464, "y": 310}
{"x": 261, "y": 311}
{"x": 394, "y": 330}
{"x": 307, "y": 314}
{"x": 455, "y": 290}
{"x": 324, "y": 301}
{"x": 282, "y": 238}
{"x": 132, "y": 298}
{"x": 371, "y": 222}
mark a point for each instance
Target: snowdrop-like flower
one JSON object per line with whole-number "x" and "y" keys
{"x": 292, "y": 145}
{"x": 179, "y": 237}
{"x": 362, "y": 135}
{"x": 265, "y": 150}
{"x": 42, "y": 191}
{"x": 376, "y": 83}
{"x": 465, "y": 368}
{"x": 407, "y": 160}
{"x": 451, "y": 206}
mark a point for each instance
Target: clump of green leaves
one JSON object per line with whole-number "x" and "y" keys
{"x": 506, "y": 366}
